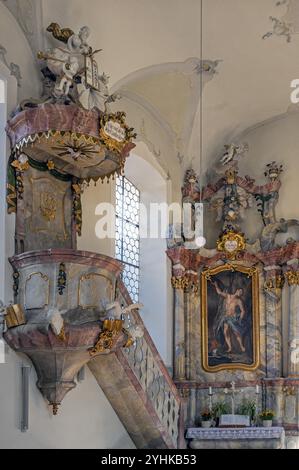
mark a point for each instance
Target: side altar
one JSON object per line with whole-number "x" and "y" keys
{"x": 228, "y": 308}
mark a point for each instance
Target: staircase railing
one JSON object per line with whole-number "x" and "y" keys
{"x": 155, "y": 381}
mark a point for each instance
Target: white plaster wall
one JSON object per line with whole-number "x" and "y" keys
{"x": 19, "y": 52}
{"x": 154, "y": 268}
{"x": 86, "y": 419}
{"x": 92, "y": 196}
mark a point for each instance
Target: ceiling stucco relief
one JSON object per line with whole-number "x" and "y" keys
{"x": 288, "y": 24}
{"x": 14, "y": 68}
{"x": 170, "y": 93}
{"x": 28, "y": 14}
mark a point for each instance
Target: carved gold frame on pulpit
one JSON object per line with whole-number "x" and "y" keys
{"x": 231, "y": 322}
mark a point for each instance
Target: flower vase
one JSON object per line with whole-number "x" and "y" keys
{"x": 267, "y": 423}
{"x": 206, "y": 424}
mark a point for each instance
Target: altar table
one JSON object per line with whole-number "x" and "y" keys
{"x": 236, "y": 438}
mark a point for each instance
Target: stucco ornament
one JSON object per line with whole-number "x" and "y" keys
{"x": 15, "y": 70}
{"x": 286, "y": 25}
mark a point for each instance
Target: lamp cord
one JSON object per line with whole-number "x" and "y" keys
{"x": 201, "y": 102}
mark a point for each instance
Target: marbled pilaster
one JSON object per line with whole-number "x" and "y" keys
{"x": 293, "y": 327}
{"x": 179, "y": 335}
{"x": 273, "y": 290}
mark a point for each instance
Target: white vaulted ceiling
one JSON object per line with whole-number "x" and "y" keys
{"x": 147, "y": 44}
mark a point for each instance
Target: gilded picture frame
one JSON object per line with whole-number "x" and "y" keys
{"x": 230, "y": 318}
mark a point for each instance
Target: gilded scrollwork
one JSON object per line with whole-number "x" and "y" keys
{"x": 289, "y": 390}
{"x": 114, "y": 132}
{"x": 108, "y": 337}
{"x": 274, "y": 283}
{"x": 231, "y": 243}
{"x": 48, "y": 206}
{"x": 184, "y": 283}
{"x": 292, "y": 278}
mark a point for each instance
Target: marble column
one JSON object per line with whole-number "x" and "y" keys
{"x": 293, "y": 324}
{"x": 179, "y": 333}
{"x": 273, "y": 290}
{"x": 188, "y": 329}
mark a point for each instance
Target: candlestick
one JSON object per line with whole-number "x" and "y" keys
{"x": 210, "y": 391}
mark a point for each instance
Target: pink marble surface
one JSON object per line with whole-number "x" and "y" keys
{"x": 67, "y": 256}
{"x": 192, "y": 260}
{"x": 246, "y": 183}
{"x": 53, "y": 117}
{"x": 57, "y": 117}
{"x": 80, "y": 336}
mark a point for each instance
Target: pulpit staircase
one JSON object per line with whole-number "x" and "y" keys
{"x": 138, "y": 386}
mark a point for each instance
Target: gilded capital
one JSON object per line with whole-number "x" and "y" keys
{"x": 273, "y": 283}
{"x": 184, "y": 283}
{"x": 292, "y": 278}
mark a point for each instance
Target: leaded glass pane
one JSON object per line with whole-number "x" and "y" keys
{"x": 127, "y": 233}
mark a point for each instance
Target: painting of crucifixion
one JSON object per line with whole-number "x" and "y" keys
{"x": 230, "y": 318}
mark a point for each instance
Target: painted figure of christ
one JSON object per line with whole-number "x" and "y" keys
{"x": 231, "y": 321}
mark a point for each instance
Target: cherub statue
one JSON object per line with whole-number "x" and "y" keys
{"x": 233, "y": 152}
{"x": 68, "y": 66}
{"x": 66, "y": 62}
{"x": 69, "y": 69}
{"x": 135, "y": 331}
{"x": 77, "y": 43}
{"x": 120, "y": 310}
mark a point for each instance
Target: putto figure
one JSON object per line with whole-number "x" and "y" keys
{"x": 73, "y": 71}
{"x": 233, "y": 152}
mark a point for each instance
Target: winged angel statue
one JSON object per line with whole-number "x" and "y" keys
{"x": 71, "y": 73}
